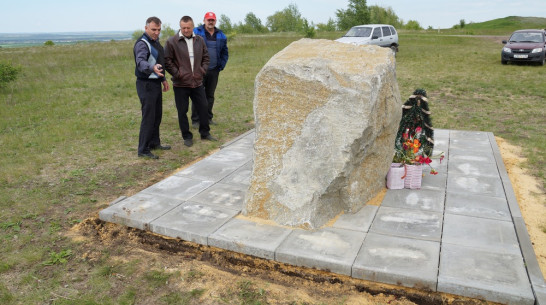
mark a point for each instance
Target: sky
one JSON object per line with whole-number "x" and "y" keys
{"x": 38, "y": 16}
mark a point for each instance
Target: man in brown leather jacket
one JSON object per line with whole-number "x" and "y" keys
{"x": 187, "y": 60}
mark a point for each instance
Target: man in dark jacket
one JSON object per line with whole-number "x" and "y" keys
{"x": 187, "y": 60}
{"x": 216, "y": 42}
{"x": 149, "y": 61}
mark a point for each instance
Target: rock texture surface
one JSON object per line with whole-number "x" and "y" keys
{"x": 326, "y": 115}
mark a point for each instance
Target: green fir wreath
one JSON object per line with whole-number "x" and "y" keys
{"x": 416, "y": 113}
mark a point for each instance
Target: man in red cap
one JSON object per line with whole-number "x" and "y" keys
{"x": 216, "y": 42}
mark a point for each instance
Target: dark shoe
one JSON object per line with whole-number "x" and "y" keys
{"x": 148, "y": 155}
{"x": 188, "y": 142}
{"x": 209, "y": 138}
{"x": 195, "y": 124}
{"x": 162, "y": 147}
{"x": 211, "y": 122}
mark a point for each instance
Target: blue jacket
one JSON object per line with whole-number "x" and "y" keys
{"x": 221, "y": 45}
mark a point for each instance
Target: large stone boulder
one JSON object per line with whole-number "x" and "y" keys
{"x": 326, "y": 116}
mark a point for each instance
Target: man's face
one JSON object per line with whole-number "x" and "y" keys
{"x": 210, "y": 24}
{"x": 153, "y": 29}
{"x": 186, "y": 28}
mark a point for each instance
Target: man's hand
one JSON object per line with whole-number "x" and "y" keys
{"x": 165, "y": 86}
{"x": 158, "y": 69}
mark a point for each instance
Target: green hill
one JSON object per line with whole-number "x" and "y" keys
{"x": 505, "y": 25}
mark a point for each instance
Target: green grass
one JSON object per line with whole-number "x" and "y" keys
{"x": 508, "y": 24}
{"x": 499, "y": 27}
{"x": 469, "y": 89}
{"x": 69, "y": 131}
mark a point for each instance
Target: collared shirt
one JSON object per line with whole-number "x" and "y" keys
{"x": 189, "y": 42}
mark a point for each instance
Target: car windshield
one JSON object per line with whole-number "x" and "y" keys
{"x": 527, "y": 37}
{"x": 359, "y": 32}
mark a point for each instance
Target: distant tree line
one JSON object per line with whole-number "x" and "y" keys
{"x": 290, "y": 20}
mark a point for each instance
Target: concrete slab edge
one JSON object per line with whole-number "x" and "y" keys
{"x": 118, "y": 200}
{"x": 237, "y": 138}
{"x": 531, "y": 263}
{"x": 540, "y": 295}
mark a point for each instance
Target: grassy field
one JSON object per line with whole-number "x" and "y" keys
{"x": 69, "y": 131}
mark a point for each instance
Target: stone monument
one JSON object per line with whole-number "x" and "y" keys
{"x": 326, "y": 116}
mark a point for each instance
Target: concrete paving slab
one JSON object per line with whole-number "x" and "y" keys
{"x": 487, "y": 186}
{"x": 359, "y": 221}
{"x": 248, "y": 237}
{"x": 398, "y": 261}
{"x": 208, "y": 169}
{"x": 470, "y": 145}
{"x": 418, "y": 224}
{"x": 119, "y": 199}
{"x": 241, "y": 176}
{"x": 440, "y": 146}
{"x": 246, "y": 139}
{"x": 231, "y": 155}
{"x": 178, "y": 187}
{"x": 465, "y": 155}
{"x": 139, "y": 210}
{"x": 441, "y": 133}
{"x": 497, "y": 277}
{"x": 245, "y": 146}
{"x": 478, "y": 206}
{"x": 439, "y": 166}
{"x": 473, "y": 168}
{"x": 480, "y": 233}
{"x": 223, "y": 195}
{"x": 329, "y": 249}
{"x": 192, "y": 221}
{"x": 426, "y": 200}
{"x": 465, "y": 135}
{"x": 433, "y": 182}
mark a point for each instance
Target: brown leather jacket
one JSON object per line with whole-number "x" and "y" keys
{"x": 177, "y": 61}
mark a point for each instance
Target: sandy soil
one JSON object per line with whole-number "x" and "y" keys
{"x": 220, "y": 273}
{"x": 531, "y": 198}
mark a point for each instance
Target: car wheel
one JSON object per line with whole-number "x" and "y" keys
{"x": 542, "y": 62}
{"x": 394, "y": 48}
{"x": 504, "y": 62}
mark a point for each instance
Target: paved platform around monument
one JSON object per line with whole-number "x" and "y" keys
{"x": 461, "y": 233}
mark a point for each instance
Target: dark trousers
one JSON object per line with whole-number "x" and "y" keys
{"x": 181, "y": 98}
{"x": 150, "y": 95}
{"x": 210, "y": 81}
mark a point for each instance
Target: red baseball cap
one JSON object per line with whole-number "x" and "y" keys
{"x": 210, "y": 15}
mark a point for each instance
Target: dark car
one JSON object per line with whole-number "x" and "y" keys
{"x": 525, "y": 46}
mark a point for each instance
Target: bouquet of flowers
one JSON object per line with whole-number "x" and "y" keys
{"x": 413, "y": 151}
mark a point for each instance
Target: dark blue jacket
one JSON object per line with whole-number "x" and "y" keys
{"x": 221, "y": 45}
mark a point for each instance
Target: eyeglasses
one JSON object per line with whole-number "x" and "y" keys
{"x": 211, "y": 20}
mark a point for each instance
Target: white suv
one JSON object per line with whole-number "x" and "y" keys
{"x": 383, "y": 35}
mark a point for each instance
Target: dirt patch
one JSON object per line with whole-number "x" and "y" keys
{"x": 531, "y": 198}
{"x": 219, "y": 269}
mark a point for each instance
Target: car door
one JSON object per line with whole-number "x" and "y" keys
{"x": 388, "y": 37}
{"x": 377, "y": 37}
